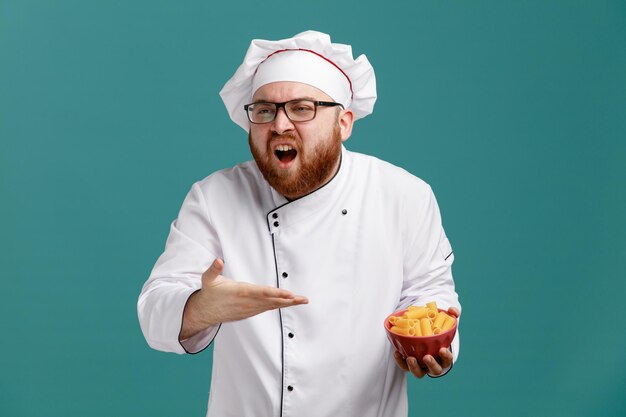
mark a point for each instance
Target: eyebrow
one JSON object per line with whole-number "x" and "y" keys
{"x": 293, "y": 99}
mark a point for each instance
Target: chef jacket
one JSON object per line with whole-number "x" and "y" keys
{"x": 364, "y": 245}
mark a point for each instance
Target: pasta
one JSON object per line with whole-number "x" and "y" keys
{"x": 447, "y": 325}
{"x": 417, "y": 312}
{"x": 441, "y": 317}
{"x": 422, "y": 321}
{"x": 407, "y": 331}
{"x": 426, "y": 327}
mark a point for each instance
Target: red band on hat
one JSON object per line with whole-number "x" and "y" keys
{"x": 313, "y": 52}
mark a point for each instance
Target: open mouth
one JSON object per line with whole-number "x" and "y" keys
{"x": 285, "y": 153}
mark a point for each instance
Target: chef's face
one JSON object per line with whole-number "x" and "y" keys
{"x": 297, "y": 158}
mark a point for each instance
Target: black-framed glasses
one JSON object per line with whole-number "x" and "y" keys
{"x": 296, "y": 110}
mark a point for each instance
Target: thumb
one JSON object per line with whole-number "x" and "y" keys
{"x": 213, "y": 272}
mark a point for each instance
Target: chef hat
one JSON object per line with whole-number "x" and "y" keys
{"x": 309, "y": 57}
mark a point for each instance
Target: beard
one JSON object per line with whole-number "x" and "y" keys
{"x": 316, "y": 168}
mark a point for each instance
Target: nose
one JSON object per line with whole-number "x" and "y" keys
{"x": 282, "y": 123}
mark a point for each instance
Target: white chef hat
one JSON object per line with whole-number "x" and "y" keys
{"x": 309, "y": 57}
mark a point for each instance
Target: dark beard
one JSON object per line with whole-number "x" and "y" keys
{"x": 315, "y": 170}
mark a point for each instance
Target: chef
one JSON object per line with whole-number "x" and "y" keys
{"x": 289, "y": 263}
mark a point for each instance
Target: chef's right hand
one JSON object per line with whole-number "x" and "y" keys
{"x": 222, "y": 299}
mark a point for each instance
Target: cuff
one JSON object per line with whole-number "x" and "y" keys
{"x": 201, "y": 340}
{"x": 198, "y": 342}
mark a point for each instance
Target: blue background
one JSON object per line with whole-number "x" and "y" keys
{"x": 514, "y": 112}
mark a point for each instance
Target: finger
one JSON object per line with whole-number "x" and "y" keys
{"x": 216, "y": 269}
{"x": 299, "y": 299}
{"x": 400, "y": 361}
{"x": 445, "y": 356}
{"x": 261, "y": 291}
{"x": 433, "y": 366}
{"x": 454, "y": 311}
{"x": 415, "y": 367}
{"x": 286, "y": 302}
{"x": 271, "y": 292}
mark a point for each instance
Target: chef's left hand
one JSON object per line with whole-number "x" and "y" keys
{"x": 430, "y": 365}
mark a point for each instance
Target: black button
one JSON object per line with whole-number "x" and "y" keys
{"x": 275, "y": 224}
{"x": 290, "y": 335}
{"x": 275, "y": 215}
{"x": 289, "y": 388}
{"x": 344, "y": 212}
{"x": 285, "y": 275}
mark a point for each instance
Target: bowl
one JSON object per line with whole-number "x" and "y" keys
{"x": 419, "y": 346}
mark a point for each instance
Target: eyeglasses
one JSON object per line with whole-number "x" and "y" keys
{"x": 296, "y": 110}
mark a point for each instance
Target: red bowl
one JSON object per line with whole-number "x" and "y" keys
{"x": 419, "y": 346}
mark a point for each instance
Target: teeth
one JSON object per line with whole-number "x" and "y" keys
{"x": 284, "y": 148}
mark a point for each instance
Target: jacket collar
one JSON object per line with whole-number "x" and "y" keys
{"x": 287, "y": 212}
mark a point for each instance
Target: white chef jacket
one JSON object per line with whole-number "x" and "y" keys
{"x": 366, "y": 244}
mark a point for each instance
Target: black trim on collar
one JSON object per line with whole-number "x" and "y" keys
{"x": 317, "y": 189}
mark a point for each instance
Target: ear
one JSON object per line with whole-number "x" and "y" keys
{"x": 346, "y": 120}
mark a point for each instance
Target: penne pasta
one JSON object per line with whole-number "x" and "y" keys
{"x": 404, "y": 323}
{"x": 407, "y": 331}
{"x": 422, "y": 321}
{"x": 417, "y": 312}
{"x": 425, "y": 327}
{"x": 448, "y": 324}
{"x": 441, "y": 317}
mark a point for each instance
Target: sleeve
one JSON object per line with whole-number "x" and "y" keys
{"x": 191, "y": 247}
{"x": 428, "y": 259}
